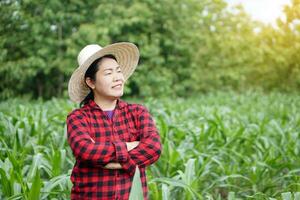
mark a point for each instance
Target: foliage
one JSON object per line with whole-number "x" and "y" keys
{"x": 215, "y": 146}
{"x": 186, "y": 46}
{"x": 136, "y": 192}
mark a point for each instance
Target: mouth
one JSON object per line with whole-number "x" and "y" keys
{"x": 117, "y": 86}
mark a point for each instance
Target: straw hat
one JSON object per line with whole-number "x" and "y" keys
{"x": 127, "y": 55}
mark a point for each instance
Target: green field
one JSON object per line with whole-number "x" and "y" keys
{"x": 215, "y": 146}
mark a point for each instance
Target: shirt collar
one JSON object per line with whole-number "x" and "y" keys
{"x": 120, "y": 104}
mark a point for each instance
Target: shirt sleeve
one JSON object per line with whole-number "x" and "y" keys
{"x": 149, "y": 149}
{"x": 86, "y": 149}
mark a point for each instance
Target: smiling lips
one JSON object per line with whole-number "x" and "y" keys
{"x": 117, "y": 86}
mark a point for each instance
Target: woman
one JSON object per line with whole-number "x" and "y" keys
{"x": 108, "y": 136}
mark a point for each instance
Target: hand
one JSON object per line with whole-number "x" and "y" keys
{"x": 132, "y": 145}
{"x": 113, "y": 166}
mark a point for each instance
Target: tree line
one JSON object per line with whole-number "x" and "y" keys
{"x": 187, "y": 46}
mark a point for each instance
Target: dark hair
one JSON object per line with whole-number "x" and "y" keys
{"x": 91, "y": 73}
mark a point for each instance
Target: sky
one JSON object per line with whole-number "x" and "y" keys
{"x": 263, "y": 10}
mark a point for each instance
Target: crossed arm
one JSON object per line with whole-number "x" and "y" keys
{"x": 118, "y": 154}
{"x": 115, "y": 165}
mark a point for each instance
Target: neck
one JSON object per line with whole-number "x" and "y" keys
{"x": 105, "y": 103}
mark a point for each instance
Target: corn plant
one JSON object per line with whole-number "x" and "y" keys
{"x": 216, "y": 146}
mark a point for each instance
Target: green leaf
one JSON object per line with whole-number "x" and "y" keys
{"x": 231, "y": 196}
{"x": 136, "y": 192}
{"x": 5, "y": 183}
{"x": 297, "y": 196}
{"x": 287, "y": 196}
{"x": 36, "y": 186}
{"x": 165, "y": 192}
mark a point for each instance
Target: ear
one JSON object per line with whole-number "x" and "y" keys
{"x": 90, "y": 82}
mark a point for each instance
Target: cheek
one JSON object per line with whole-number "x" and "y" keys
{"x": 102, "y": 79}
{"x": 106, "y": 83}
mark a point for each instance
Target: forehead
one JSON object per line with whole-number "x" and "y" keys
{"x": 108, "y": 63}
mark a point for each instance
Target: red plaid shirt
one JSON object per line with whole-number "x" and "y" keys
{"x": 96, "y": 140}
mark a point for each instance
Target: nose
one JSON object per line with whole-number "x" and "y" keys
{"x": 118, "y": 77}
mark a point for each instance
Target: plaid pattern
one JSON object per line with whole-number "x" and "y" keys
{"x": 96, "y": 140}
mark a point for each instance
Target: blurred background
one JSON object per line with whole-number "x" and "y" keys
{"x": 187, "y": 47}
{"x": 221, "y": 79}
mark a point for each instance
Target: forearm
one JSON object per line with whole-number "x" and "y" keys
{"x": 85, "y": 149}
{"x": 130, "y": 146}
{"x": 99, "y": 153}
{"x": 145, "y": 154}
{"x": 149, "y": 149}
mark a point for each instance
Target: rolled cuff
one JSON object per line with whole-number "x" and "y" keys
{"x": 129, "y": 166}
{"x": 121, "y": 151}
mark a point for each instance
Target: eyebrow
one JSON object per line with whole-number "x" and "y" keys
{"x": 109, "y": 68}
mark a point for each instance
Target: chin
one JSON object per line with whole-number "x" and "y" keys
{"x": 117, "y": 95}
{"x": 120, "y": 95}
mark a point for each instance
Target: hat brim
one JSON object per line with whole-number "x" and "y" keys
{"x": 127, "y": 55}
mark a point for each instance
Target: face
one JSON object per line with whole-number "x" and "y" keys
{"x": 109, "y": 83}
